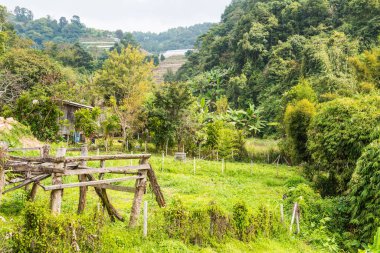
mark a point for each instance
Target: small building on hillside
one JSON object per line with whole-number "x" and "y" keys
{"x": 68, "y": 120}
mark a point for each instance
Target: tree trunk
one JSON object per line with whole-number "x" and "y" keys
{"x": 124, "y": 136}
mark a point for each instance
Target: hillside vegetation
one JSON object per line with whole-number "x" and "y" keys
{"x": 293, "y": 84}
{"x": 172, "y": 39}
{"x": 72, "y": 30}
{"x": 169, "y": 65}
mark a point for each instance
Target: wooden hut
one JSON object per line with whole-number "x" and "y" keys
{"x": 68, "y": 128}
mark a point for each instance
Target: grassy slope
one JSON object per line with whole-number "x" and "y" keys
{"x": 258, "y": 185}
{"x": 172, "y": 62}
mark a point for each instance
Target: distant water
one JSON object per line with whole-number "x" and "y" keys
{"x": 176, "y": 52}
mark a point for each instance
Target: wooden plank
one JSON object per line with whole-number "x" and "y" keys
{"x": 82, "y": 189}
{"x": 44, "y": 152}
{"x": 79, "y": 158}
{"x": 57, "y": 194}
{"x": 28, "y": 181}
{"x": 89, "y": 183}
{"x": 88, "y": 170}
{"x": 37, "y": 159}
{"x": 156, "y": 188}
{"x": 43, "y": 167}
{"x": 80, "y": 149}
{"x": 112, "y": 212}
{"x": 106, "y": 157}
{"x": 139, "y": 193}
{"x": 117, "y": 188}
{"x": 23, "y": 149}
{"x": 2, "y": 175}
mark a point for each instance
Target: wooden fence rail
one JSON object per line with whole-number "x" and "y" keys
{"x": 33, "y": 170}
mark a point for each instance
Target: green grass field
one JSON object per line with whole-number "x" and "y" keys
{"x": 256, "y": 185}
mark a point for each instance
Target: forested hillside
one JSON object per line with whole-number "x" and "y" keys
{"x": 72, "y": 30}
{"x": 261, "y": 49}
{"x": 175, "y": 38}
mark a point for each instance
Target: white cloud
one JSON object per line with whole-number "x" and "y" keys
{"x": 128, "y": 15}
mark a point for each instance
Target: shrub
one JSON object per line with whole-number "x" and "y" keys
{"x": 36, "y": 110}
{"x": 219, "y": 222}
{"x": 364, "y": 192}
{"x": 297, "y": 119}
{"x": 317, "y": 223}
{"x": 241, "y": 220}
{"x": 338, "y": 133}
{"x": 43, "y": 232}
{"x": 301, "y": 91}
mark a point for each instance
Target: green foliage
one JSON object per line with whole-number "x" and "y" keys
{"x": 109, "y": 127}
{"x": 86, "y": 120}
{"x": 241, "y": 221}
{"x": 250, "y": 120}
{"x": 375, "y": 247}
{"x": 166, "y": 114}
{"x": 47, "y": 29}
{"x": 364, "y": 189}
{"x": 36, "y": 110}
{"x": 297, "y": 120}
{"x": 73, "y": 55}
{"x": 367, "y": 66}
{"x": 231, "y": 143}
{"x": 43, "y": 232}
{"x": 318, "y": 217}
{"x": 302, "y": 90}
{"x": 338, "y": 133}
{"x": 204, "y": 227}
{"x": 31, "y": 66}
{"x": 175, "y": 38}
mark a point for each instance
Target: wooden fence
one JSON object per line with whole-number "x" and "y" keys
{"x": 33, "y": 170}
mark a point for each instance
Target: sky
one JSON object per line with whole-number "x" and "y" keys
{"x": 128, "y": 15}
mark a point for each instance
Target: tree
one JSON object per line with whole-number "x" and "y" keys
{"x": 36, "y": 110}
{"x": 125, "y": 79}
{"x": 166, "y": 113}
{"x": 63, "y": 22}
{"x": 86, "y": 121}
{"x": 10, "y": 88}
{"x": 31, "y": 66}
{"x": 23, "y": 14}
{"x": 364, "y": 190}
{"x": 119, "y": 34}
{"x": 126, "y": 41}
{"x": 337, "y": 135}
{"x": 247, "y": 120}
{"x": 367, "y": 66}
{"x": 109, "y": 127}
{"x": 297, "y": 120}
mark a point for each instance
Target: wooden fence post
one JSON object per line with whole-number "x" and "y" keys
{"x": 139, "y": 192}
{"x": 293, "y": 216}
{"x": 56, "y": 195}
{"x": 195, "y": 166}
{"x": 145, "y": 218}
{"x": 298, "y": 220}
{"x": 162, "y": 162}
{"x": 2, "y": 170}
{"x": 44, "y": 153}
{"x": 282, "y": 213}
{"x": 82, "y": 178}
